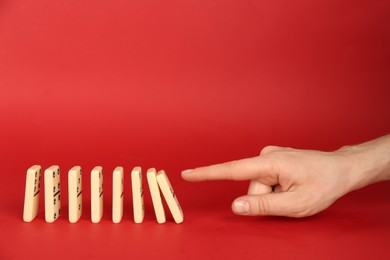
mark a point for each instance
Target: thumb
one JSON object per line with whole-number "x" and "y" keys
{"x": 275, "y": 204}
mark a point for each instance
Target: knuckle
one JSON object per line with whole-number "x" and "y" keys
{"x": 231, "y": 169}
{"x": 267, "y": 149}
{"x": 263, "y": 207}
{"x": 272, "y": 148}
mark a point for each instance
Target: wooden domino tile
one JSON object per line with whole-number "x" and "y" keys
{"x": 170, "y": 196}
{"x": 96, "y": 194}
{"x": 31, "y": 196}
{"x": 52, "y": 194}
{"x": 117, "y": 195}
{"x": 75, "y": 194}
{"x": 155, "y": 194}
{"x": 138, "y": 195}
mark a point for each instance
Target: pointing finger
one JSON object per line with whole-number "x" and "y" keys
{"x": 239, "y": 170}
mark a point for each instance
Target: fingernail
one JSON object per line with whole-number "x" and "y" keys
{"x": 241, "y": 207}
{"x": 187, "y": 171}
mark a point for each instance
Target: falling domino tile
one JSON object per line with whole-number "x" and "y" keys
{"x": 31, "y": 196}
{"x": 117, "y": 195}
{"x": 52, "y": 194}
{"x": 75, "y": 194}
{"x": 156, "y": 197}
{"x": 138, "y": 199}
{"x": 96, "y": 194}
{"x": 170, "y": 196}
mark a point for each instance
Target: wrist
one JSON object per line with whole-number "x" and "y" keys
{"x": 366, "y": 163}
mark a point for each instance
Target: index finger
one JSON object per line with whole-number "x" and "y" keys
{"x": 239, "y": 170}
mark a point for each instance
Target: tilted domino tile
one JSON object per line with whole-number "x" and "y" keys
{"x": 96, "y": 194}
{"x": 138, "y": 195}
{"x": 117, "y": 195}
{"x": 170, "y": 196}
{"x": 52, "y": 193}
{"x": 31, "y": 196}
{"x": 75, "y": 190}
{"x": 156, "y": 197}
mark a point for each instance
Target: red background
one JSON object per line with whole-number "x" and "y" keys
{"x": 180, "y": 84}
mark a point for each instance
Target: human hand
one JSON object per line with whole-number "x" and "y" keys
{"x": 289, "y": 182}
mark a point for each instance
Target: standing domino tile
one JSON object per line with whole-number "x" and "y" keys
{"x": 31, "y": 196}
{"x": 138, "y": 195}
{"x": 170, "y": 196}
{"x": 96, "y": 194}
{"x": 75, "y": 189}
{"x": 156, "y": 197}
{"x": 117, "y": 195}
{"x": 52, "y": 193}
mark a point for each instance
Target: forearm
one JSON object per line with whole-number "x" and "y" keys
{"x": 368, "y": 162}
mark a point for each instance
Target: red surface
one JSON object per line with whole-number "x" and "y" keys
{"x": 180, "y": 84}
